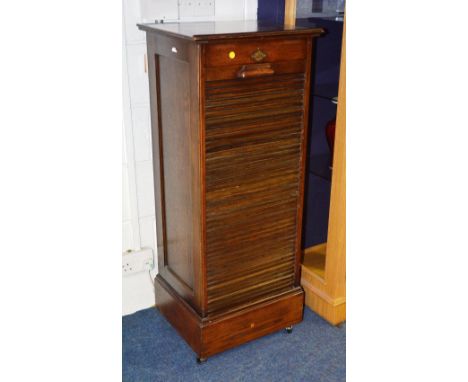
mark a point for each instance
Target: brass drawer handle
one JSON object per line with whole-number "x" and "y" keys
{"x": 258, "y": 55}
{"x": 255, "y": 70}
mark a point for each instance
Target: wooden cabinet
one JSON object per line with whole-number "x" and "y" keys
{"x": 229, "y": 106}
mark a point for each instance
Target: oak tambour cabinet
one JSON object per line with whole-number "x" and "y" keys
{"x": 229, "y": 103}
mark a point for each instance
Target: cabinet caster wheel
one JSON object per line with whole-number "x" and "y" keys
{"x": 288, "y": 329}
{"x": 201, "y": 360}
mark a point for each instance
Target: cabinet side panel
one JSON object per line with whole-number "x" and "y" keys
{"x": 173, "y": 74}
{"x": 175, "y": 133}
{"x": 156, "y": 149}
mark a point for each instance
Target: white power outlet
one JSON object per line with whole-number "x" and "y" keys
{"x": 137, "y": 261}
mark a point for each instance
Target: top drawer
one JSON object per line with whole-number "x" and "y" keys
{"x": 258, "y": 51}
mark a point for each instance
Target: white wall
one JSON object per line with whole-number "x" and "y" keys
{"x": 139, "y": 216}
{"x": 138, "y": 198}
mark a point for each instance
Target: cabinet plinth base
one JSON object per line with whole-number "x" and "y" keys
{"x": 208, "y": 336}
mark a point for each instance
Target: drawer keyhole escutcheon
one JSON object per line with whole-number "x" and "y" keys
{"x": 232, "y": 55}
{"x": 258, "y": 55}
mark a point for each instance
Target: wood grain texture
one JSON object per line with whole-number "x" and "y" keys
{"x": 303, "y": 159}
{"x": 254, "y": 130}
{"x": 156, "y": 145}
{"x": 314, "y": 259}
{"x": 232, "y": 71}
{"x": 174, "y": 99}
{"x": 176, "y": 138}
{"x": 228, "y": 155}
{"x": 197, "y": 169}
{"x": 221, "y": 31}
{"x": 333, "y": 312}
{"x": 255, "y": 70}
{"x": 179, "y": 313}
{"x": 254, "y": 322}
{"x": 290, "y": 13}
{"x": 274, "y": 49}
{"x": 210, "y": 336}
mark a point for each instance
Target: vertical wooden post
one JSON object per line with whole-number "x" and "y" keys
{"x": 290, "y": 12}
{"x": 335, "y": 267}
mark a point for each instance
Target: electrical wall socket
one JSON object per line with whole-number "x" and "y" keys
{"x": 137, "y": 261}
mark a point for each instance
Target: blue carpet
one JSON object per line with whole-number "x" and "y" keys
{"x": 313, "y": 352}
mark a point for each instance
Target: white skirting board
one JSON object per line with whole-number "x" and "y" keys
{"x": 137, "y": 292}
{"x": 138, "y": 272}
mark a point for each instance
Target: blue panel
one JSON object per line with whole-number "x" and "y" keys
{"x": 271, "y": 11}
{"x": 327, "y": 54}
{"x": 318, "y": 183}
{"x": 322, "y": 111}
{"x": 324, "y": 86}
{"x": 316, "y": 207}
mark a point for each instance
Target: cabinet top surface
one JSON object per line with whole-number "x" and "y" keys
{"x": 217, "y": 30}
